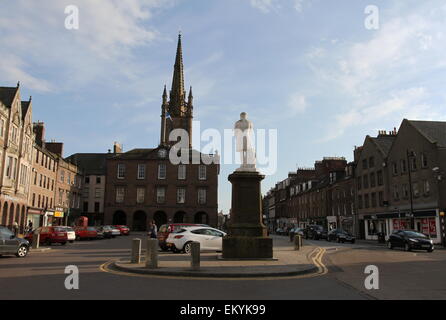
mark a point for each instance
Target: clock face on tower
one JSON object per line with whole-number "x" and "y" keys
{"x": 162, "y": 153}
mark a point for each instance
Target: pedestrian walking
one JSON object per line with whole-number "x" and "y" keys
{"x": 152, "y": 230}
{"x": 15, "y": 227}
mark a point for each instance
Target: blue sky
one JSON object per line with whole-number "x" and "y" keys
{"x": 308, "y": 68}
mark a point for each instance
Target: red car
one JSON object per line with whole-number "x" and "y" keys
{"x": 83, "y": 233}
{"x": 125, "y": 231}
{"x": 166, "y": 229}
{"x": 49, "y": 235}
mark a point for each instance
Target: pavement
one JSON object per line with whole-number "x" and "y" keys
{"x": 341, "y": 275}
{"x": 287, "y": 262}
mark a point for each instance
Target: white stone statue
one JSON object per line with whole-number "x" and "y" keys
{"x": 244, "y": 130}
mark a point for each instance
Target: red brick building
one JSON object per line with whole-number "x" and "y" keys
{"x": 143, "y": 184}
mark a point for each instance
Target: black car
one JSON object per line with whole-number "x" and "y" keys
{"x": 340, "y": 235}
{"x": 10, "y": 244}
{"x": 315, "y": 232}
{"x": 410, "y": 240}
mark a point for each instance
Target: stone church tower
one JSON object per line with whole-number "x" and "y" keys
{"x": 176, "y": 113}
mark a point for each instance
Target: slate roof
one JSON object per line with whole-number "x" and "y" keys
{"x": 7, "y": 95}
{"x": 434, "y": 131}
{"x": 90, "y": 163}
{"x": 384, "y": 143}
{"x": 25, "y": 106}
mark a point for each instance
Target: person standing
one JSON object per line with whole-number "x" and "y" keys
{"x": 152, "y": 230}
{"x": 15, "y": 227}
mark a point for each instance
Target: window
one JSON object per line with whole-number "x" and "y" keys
{"x": 374, "y": 200}
{"x": 162, "y": 171}
{"x": 121, "y": 171}
{"x": 37, "y": 156}
{"x": 97, "y": 207}
{"x": 97, "y": 192}
{"x": 403, "y": 166}
{"x": 372, "y": 180}
{"x": 62, "y": 176}
{"x": 381, "y": 199}
{"x": 359, "y": 183}
{"x": 87, "y": 180}
{"x": 366, "y": 201}
{"x": 365, "y": 181}
{"x": 396, "y": 195}
{"x": 141, "y": 171}
{"x": 181, "y": 195}
{"x": 394, "y": 168}
{"x": 426, "y": 187}
{"x": 423, "y": 160}
{"x": 182, "y": 172}
{"x": 405, "y": 192}
{"x": 413, "y": 163}
{"x": 160, "y": 194}
{"x": 379, "y": 175}
{"x": 360, "y": 203}
{"x": 86, "y": 206}
{"x": 371, "y": 162}
{"x": 120, "y": 192}
{"x": 364, "y": 164}
{"x": 416, "y": 191}
{"x": 98, "y": 180}
{"x": 201, "y": 196}
{"x": 202, "y": 172}
{"x": 140, "y": 194}
{"x": 8, "y": 167}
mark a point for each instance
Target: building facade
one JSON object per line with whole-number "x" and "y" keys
{"x": 41, "y": 204}
{"x": 94, "y": 168}
{"x": 144, "y": 184}
{"x": 16, "y": 145}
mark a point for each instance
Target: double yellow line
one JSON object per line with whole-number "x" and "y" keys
{"x": 317, "y": 260}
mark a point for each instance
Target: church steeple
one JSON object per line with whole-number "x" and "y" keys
{"x": 177, "y": 94}
{"x": 177, "y": 113}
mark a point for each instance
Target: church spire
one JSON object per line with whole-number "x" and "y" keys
{"x": 177, "y": 94}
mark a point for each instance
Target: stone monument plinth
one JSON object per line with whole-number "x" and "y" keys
{"x": 247, "y": 237}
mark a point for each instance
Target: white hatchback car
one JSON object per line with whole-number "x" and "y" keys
{"x": 71, "y": 234}
{"x": 210, "y": 239}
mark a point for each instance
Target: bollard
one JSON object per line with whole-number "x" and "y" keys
{"x": 136, "y": 251}
{"x": 152, "y": 254}
{"x": 195, "y": 256}
{"x": 36, "y": 240}
{"x": 297, "y": 242}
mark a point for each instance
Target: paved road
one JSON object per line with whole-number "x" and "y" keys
{"x": 41, "y": 276}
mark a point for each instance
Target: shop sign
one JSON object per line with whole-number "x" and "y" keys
{"x": 59, "y": 214}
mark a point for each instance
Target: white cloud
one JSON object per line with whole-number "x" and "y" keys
{"x": 265, "y": 6}
{"x": 297, "y": 103}
{"x": 103, "y": 46}
{"x": 385, "y": 76}
{"x": 298, "y": 5}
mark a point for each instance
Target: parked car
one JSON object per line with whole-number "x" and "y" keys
{"x": 297, "y": 231}
{"x": 280, "y": 231}
{"x": 315, "y": 232}
{"x": 124, "y": 230}
{"x": 111, "y": 231}
{"x": 340, "y": 235}
{"x": 71, "y": 234}
{"x": 410, "y": 240}
{"x": 84, "y": 233}
{"x": 49, "y": 235}
{"x": 210, "y": 239}
{"x": 99, "y": 233}
{"x": 166, "y": 229}
{"x": 10, "y": 244}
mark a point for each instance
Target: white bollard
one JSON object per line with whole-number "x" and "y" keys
{"x": 152, "y": 254}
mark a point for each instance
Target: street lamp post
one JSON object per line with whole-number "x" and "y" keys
{"x": 410, "y": 154}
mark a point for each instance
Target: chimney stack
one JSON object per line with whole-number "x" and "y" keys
{"x": 117, "y": 148}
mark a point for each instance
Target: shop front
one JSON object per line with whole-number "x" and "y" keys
{"x": 426, "y": 222}
{"x": 58, "y": 218}
{"x": 36, "y": 218}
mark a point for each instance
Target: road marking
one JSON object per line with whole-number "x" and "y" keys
{"x": 317, "y": 261}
